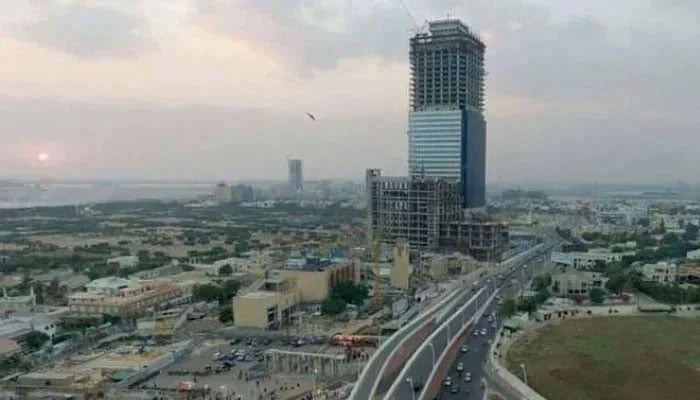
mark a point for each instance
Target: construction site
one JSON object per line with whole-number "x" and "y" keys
{"x": 426, "y": 212}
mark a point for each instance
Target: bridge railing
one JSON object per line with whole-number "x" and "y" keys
{"x": 376, "y": 367}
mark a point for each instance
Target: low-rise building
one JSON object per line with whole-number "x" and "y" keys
{"x": 576, "y": 283}
{"x": 315, "y": 280}
{"x": 122, "y": 297}
{"x": 22, "y": 303}
{"x": 693, "y": 255}
{"x": 265, "y": 309}
{"x": 661, "y": 272}
{"x": 270, "y": 302}
{"x": 688, "y": 273}
{"x": 439, "y": 266}
{"x": 586, "y": 260}
{"x": 123, "y": 262}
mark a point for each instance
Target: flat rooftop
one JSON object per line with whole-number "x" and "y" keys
{"x": 260, "y": 294}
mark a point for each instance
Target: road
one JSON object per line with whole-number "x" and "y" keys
{"x": 474, "y": 360}
{"x": 412, "y": 380}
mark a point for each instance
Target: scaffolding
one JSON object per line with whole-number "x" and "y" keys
{"x": 447, "y": 67}
{"x": 415, "y": 209}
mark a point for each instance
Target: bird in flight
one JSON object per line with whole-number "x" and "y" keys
{"x": 311, "y": 116}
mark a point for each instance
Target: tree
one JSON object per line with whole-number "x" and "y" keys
{"x": 111, "y": 319}
{"x": 597, "y": 295}
{"x": 143, "y": 255}
{"x": 54, "y": 289}
{"x": 333, "y": 306}
{"x": 207, "y": 292}
{"x": 617, "y": 282}
{"x": 507, "y": 309}
{"x": 226, "y": 315}
{"x": 225, "y": 270}
{"x": 35, "y": 339}
{"x": 39, "y": 292}
{"x": 229, "y": 289}
{"x": 599, "y": 266}
{"x": 691, "y": 232}
{"x": 350, "y": 293}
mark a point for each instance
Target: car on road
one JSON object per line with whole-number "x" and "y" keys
{"x": 460, "y": 367}
{"x": 467, "y": 376}
{"x": 476, "y": 332}
{"x": 465, "y": 349}
{"x": 483, "y": 332}
{"x": 447, "y": 381}
{"x": 455, "y": 389}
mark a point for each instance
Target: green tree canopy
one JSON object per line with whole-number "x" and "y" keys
{"x": 207, "y": 292}
{"x": 35, "y": 339}
{"x": 507, "y": 309}
{"x": 597, "y": 295}
{"x": 226, "y": 270}
{"x": 333, "y": 306}
{"x": 229, "y": 289}
{"x": 226, "y": 315}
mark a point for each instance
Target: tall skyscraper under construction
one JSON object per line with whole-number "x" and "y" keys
{"x": 446, "y": 128}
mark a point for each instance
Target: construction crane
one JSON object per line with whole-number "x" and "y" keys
{"x": 418, "y": 28}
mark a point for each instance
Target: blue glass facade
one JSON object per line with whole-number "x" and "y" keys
{"x": 450, "y": 144}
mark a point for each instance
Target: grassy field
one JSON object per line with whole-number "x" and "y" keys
{"x": 619, "y": 358}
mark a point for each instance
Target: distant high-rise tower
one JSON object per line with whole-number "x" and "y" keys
{"x": 296, "y": 177}
{"x": 446, "y": 126}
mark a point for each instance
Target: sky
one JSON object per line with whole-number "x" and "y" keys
{"x": 577, "y": 91}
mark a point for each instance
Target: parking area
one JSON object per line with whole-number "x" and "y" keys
{"x": 232, "y": 370}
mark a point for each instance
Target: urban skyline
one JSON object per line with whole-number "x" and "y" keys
{"x": 554, "y": 115}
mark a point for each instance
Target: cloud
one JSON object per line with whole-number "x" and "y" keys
{"x": 575, "y": 90}
{"x": 87, "y": 31}
{"x": 311, "y": 35}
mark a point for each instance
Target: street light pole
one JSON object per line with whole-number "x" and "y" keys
{"x": 432, "y": 350}
{"x": 313, "y": 394}
{"x": 522, "y": 366}
{"x": 409, "y": 380}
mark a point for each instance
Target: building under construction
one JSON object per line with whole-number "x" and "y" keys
{"x": 426, "y": 212}
{"x": 412, "y": 208}
{"x": 478, "y": 235}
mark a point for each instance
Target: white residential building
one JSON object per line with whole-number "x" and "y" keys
{"x": 574, "y": 283}
{"x": 661, "y": 272}
{"x": 693, "y": 255}
{"x": 586, "y": 260}
{"x": 124, "y": 261}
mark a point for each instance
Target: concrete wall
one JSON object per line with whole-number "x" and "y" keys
{"x": 251, "y": 312}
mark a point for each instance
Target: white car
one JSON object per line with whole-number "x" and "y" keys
{"x": 465, "y": 349}
{"x": 460, "y": 367}
{"x": 448, "y": 381}
{"x": 476, "y": 332}
{"x": 483, "y": 332}
{"x": 467, "y": 376}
